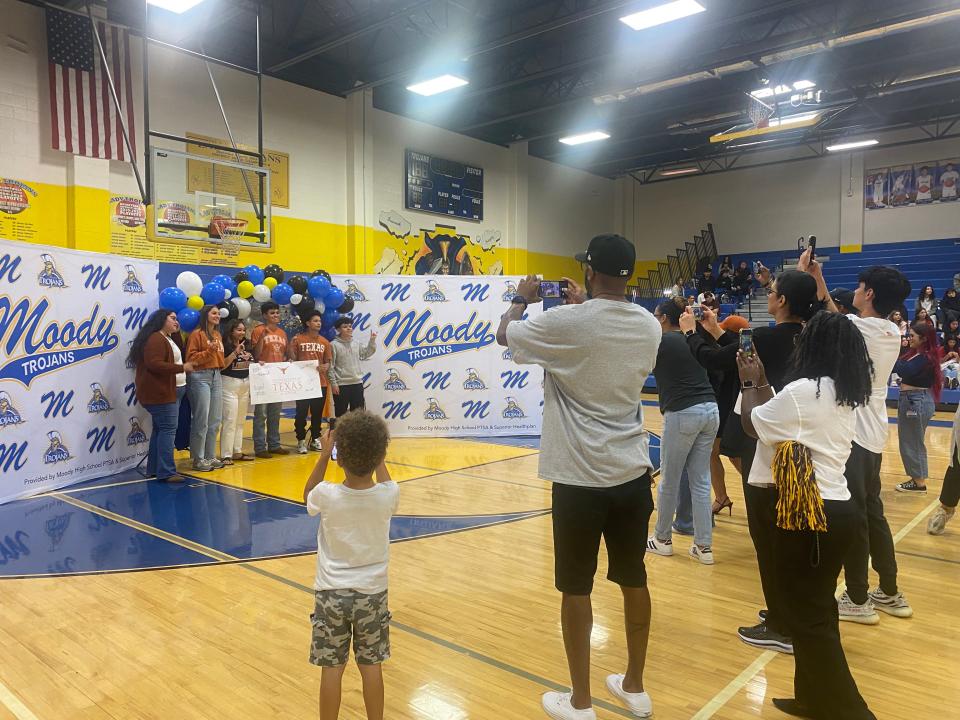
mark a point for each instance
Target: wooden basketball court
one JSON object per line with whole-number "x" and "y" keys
{"x": 124, "y": 598}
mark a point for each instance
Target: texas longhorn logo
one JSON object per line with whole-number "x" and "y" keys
{"x": 131, "y": 283}
{"x": 56, "y": 451}
{"x": 9, "y": 415}
{"x": 50, "y": 276}
{"x": 98, "y": 403}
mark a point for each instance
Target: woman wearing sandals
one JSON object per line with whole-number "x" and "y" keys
{"x": 236, "y": 393}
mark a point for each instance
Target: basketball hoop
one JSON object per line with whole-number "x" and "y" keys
{"x": 230, "y": 231}
{"x": 759, "y": 112}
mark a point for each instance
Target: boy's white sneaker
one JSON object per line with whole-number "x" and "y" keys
{"x": 301, "y": 447}
{"x": 557, "y": 705}
{"x": 637, "y": 703}
{"x": 315, "y": 445}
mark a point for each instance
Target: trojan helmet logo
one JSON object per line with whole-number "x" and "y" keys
{"x": 510, "y": 292}
{"x": 131, "y": 283}
{"x": 473, "y": 381}
{"x": 136, "y": 436}
{"x": 507, "y": 355}
{"x": 57, "y": 451}
{"x": 513, "y": 410}
{"x": 433, "y": 293}
{"x": 56, "y": 528}
{"x": 98, "y": 403}
{"x": 394, "y": 381}
{"x": 9, "y": 415}
{"x": 50, "y": 276}
{"x": 434, "y": 411}
{"x": 352, "y": 291}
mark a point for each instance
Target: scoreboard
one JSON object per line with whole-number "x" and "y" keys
{"x": 444, "y": 187}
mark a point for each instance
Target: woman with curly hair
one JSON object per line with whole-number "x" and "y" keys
{"x": 804, "y": 436}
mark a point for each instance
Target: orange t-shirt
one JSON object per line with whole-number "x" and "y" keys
{"x": 308, "y": 347}
{"x": 274, "y": 348}
{"x": 205, "y": 354}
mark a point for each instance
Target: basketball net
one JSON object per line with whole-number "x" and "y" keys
{"x": 759, "y": 112}
{"x": 230, "y": 232}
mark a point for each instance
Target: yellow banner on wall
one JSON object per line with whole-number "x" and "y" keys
{"x": 229, "y": 181}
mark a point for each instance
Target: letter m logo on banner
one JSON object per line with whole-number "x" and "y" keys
{"x": 515, "y": 378}
{"x": 475, "y": 409}
{"x": 393, "y": 410}
{"x": 11, "y": 455}
{"x": 96, "y": 277}
{"x": 101, "y": 438}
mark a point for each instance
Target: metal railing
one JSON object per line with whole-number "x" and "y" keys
{"x": 688, "y": 262}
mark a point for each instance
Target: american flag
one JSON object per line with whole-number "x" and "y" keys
{"x": 83, "y": 116}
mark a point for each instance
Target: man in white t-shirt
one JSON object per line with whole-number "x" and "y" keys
{"x": 881, "y": 290}
{"x": 879, "y": 181}
{"x": 948, "y": 183}
{"x": 596, "y": 354}
{"x": 924, "y": 185}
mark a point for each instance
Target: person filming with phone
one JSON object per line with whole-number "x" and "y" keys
{"x": 596, "y": 351}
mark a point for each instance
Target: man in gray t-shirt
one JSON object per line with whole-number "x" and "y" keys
{"x": 596, "y": 355}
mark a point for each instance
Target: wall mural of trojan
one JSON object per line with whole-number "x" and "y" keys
{"x": 442, "y": 250}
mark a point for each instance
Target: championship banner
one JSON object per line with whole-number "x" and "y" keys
{"x": 282, "y": 382}
{"x": 437, "y": 370}
{"x": 68, "y": 409}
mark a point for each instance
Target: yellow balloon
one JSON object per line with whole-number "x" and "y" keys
{"x": 270, "y": 282}
{"x": 195, "y": 302}
{"x": 245, "y": 289}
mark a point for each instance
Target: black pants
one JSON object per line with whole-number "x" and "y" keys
{"x": 315, "y": 407}
{"x": 350, "y": 398}
{"x": 871, "y": 536}
{"x": 950, "y": 492}
{"x": 807, "y": 567}
{"x": 762, "y": 520}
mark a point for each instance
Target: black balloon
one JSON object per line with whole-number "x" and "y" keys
{"x": 321, "y": 272}
{"x": 233, "y": 312}
{"x": 240, "y": 277}
{"x": 347, "y": 305}
{"x": 306, "y": 305}
{"x": 275, "y": 271}
{"x": 299, "y": 284}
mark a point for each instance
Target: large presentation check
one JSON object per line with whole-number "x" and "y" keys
{"x": 280, "y": 382}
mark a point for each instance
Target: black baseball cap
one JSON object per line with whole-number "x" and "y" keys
{"x": 842, "y": 296}
{"x": 610, "y": 255}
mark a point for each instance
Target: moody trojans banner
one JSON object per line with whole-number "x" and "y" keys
{"x": 67, "y": 407}
{"x": 438, "y": 370}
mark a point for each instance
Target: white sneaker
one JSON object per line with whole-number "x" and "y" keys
{"x": 301, "y": 447}
{"x": 637, "y": 703}
{"x": 659, "y": 548}
{"x": 895, "y": 605}
{"x": 703, "y": 554}
{"x": 315, "y": 445}
{"x": 850, "y": 611}
{"x": 557, "y": 705}
{"x": 938, "y": 521}
{"x": 200, "y": 465}
{"x": 215, "y": 464}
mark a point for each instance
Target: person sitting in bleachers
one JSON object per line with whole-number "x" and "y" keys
{"x": 927, "y": 300}
{"x": 742, "y": 280}
{"x": 896, "y": 317}
{"x": 707, "y": 282}
{"x": 727, "y": 264}
{"x": 950, "y": 363}
{"x": 924, "y": 316}
{"x": 949, "y": 306}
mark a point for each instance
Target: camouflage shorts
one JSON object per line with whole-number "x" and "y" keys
{"x": 340, "y": 614}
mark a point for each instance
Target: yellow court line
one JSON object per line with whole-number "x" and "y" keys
{"x": 737, "y": 684}
{"x": 13, "y": 704}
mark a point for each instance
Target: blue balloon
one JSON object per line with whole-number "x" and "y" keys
{"x": 334, "y": 297}
{"x": 329, "y": 333}
{"x": 173, "y": 298}
{"x": 282, "y": 293}
{"x": 189, "y": 318}
{"x": 226, "y": 282}
{"x": 254, "y": 274}
{"x": 318, "y": 287}
{"x": 330, "y": 316}
{"x": 212, "y": 293}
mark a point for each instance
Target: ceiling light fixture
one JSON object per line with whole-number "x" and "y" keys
{"x": 662, "y": 14}
{"x": 852, "y": 145}
{"x": 437, "y": 85}
{"x": 580, "y": 139}
{"x": 176, "y": 6}
{"x": 679, "y": 171}
{"x": 804, "y": 85}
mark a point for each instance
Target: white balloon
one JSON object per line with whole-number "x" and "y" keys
{"x": 296, "y": 299}
{"x": 226, "y": 294}
{"x": 261, "y": 293}
{"x": 243, "y": 307}
{"x": 224, "y": 313}
{"x": 321, "y": 306}
{"x": 190, "y": 283}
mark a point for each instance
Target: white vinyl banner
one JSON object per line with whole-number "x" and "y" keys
{"x": 283, "y": 382}
{"x": 437, "y": 370}
{"x": 68, "y": 411}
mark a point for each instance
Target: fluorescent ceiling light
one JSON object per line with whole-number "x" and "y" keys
{"x": 852, "y": 145}
{"x": 586, "y": 137}
{"x": 662, "y": 14}
{"x": 177, "y": 6}
{"x": 679, "y": 171}
{"x": 437, "y": 85}
{"x": 804, "y": 85}
{"x": 794, "y": 119}
{"x": 762, "y": 93}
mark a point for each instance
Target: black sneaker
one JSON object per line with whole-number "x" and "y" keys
{"x": 790, "y": 706}
{"x": 761, "y": 636}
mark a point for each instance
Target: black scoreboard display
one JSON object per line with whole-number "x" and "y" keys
{"x": 444, "y": 187}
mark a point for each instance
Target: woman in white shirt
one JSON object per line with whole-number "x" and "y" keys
{"x": 804, "y": 436}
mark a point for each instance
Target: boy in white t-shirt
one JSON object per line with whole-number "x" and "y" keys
{"x": 353, "y": 549}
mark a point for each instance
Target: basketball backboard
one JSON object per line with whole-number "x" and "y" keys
{"x": 189, "y": 191}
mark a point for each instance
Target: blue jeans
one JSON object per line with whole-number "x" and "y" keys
{"x": 266, "y": 427}
{"x": 206, "y": 403}
{"x": 914, "y": 412}
{"x": 160, "y": 454}
{"x": 687, "y": 441}
{"x": 683, "y": 523}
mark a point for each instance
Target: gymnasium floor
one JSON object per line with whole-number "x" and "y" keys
{"x": 124, "y": 598}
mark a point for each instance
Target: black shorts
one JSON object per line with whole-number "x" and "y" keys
{"x": 582, "y": 515}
